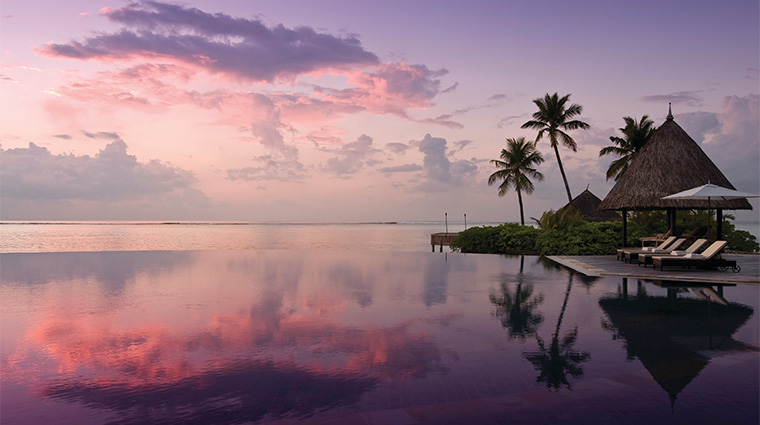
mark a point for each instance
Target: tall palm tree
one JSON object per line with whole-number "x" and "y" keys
{"x": 555, "y": 118}
{"x": 518, "y": 309}
{"x": 636, "y": 135}
{"x": 559, "y": 359}
{"x": 517, "y": 165}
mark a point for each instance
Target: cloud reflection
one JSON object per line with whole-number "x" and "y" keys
{"x": 280, "y": 345}
{"x": 237, "y": 392}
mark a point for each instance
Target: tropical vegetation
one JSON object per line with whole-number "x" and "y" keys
{"x": 635, "y": 135}
{"x": 555, "y": 118}
{"x": 568, "y": 234}
{"x": 517, "y": 167}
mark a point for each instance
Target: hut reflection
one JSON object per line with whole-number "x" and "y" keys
{"x": 675, "y": 336}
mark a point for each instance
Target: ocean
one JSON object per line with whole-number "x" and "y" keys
{"x": 172, "y": 236}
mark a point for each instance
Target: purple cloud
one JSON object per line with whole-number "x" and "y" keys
{"x": 698, "y": 124}
{"x": 511, "y": 119}
{"x": 752, "y": 73}
{"x": 351, "y": 157}
{"x": 439, "y": 171}
{"x": 269, "y": 168}
{"x": 112, "y": 174}
{"x": 244, "y": 49}
{"x": 406, "y": 168}
{"x": 682, "y": 97}
{"x": 444, "y": 120}
{"x": 105, "y": 135}
{"x": 734, "y": 142}
{"x": 397, "y": 148}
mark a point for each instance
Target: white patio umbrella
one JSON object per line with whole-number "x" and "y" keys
{"x": 710, "y": 192}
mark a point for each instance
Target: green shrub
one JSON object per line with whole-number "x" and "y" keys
{"x": 508, "y": 238}
{"x": 570, "y": 236}
{"x": 483, "y": 240}
{"x": 581, "y": 238}
{"x": 739, "y": 240}
{"x": 517, "y": 239}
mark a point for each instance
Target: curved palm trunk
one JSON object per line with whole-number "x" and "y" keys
{"x": 519, "y": 200}
{"x": 562, "y": 171}
{"x": 564, "y": 306}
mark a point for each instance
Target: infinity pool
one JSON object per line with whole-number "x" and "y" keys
{"x": 365, "y": 338}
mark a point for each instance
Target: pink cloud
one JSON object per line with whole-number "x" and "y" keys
{"x": 730, "y": 137}
{"x": 736, "y": 142}
{"x": 326, "y": 135}
{"x": 391, "y": 89}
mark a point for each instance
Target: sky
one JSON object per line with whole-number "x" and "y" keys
{"x": 346, "y": 111}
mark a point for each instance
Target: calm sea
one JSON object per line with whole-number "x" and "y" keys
{"x": 163, "y": 236}
{"x": 170, "y": 236}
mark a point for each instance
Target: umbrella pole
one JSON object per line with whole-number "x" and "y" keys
{"x": 709, "y": 218}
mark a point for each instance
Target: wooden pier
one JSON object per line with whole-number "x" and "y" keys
{"x": 442, "y": 239}
{"x": 607, "y": 265}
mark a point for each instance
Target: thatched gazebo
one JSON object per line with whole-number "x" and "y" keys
{"x": 588, "y": 205}
{"x": 669, "y": 163}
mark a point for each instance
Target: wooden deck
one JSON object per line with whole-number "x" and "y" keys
{"x": 442, "y": 239}
{"x": 607, "y": 265}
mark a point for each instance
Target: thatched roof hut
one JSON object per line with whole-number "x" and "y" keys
{"x": 588, "y": 205}
{"x": 669, "y": 163}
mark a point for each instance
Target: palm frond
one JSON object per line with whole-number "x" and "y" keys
{"x": 568, "y": 141}
{"x": 574, "y": 125}
{"x": 613, "y": 150}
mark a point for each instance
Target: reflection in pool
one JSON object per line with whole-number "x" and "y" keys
{"x": 369, "y": 337}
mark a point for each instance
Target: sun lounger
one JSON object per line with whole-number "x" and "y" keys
{"x": 709, "y": 259}
{"x": 621, "y": 252}
{"x": 631, "y": 256}
{"x": 659, "y": 238}
{"x": 646, "y": 258}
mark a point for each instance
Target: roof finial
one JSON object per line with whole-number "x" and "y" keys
{"x": 670, "y": 113}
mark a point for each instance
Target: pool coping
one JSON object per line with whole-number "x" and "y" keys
{"x": 608, "y": 265}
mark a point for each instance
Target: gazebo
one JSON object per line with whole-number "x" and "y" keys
{"x": 588, "y": 205}
{"x": 670, "y": 162}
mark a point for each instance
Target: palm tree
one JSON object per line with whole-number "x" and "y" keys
{"x": 636, "y": 135}
{"x": 517, "y": 168}
{"x": 559, "y": 359}
{"x": 554, "y": 118}
{"x": 517, "y": 309}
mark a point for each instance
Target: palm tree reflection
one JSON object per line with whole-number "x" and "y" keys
{"x": 559, "y": 359}
{"x": 517, "y": 310}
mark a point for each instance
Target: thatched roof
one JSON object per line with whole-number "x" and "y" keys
{"x": 588, "y": 205}
{"x": 669, "y": 163}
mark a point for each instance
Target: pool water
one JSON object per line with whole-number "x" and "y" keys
{"x": 365, "y": 337}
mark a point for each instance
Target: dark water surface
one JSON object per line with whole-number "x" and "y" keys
{"x": 365, "y": 337}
